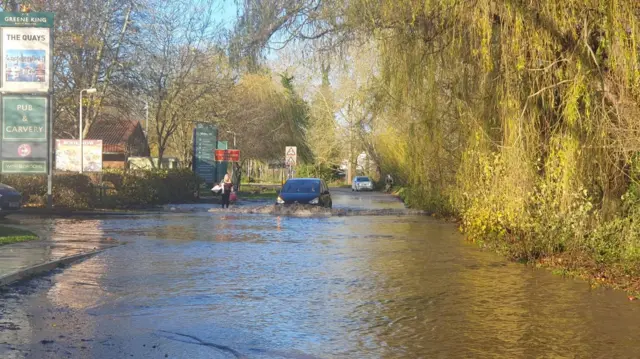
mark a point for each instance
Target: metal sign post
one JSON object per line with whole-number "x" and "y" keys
{"x": 50, "y": 157}
{"x": 67, "y": 152}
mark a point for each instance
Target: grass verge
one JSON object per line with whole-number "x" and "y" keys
{"x": 604, "y": 255}
{"x": 10, "y": 235}
{"x": 576, "y": 264}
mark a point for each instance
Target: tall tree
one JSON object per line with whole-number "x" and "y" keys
{"x": 322, "y": 134}
{"x": 213, "y": 107}
{"x": 178, "y": 40}
{"x": 92, "y": 50}
{"x": 266, "y": 116}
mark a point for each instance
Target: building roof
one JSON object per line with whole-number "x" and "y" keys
{"x": 114, "y": 133}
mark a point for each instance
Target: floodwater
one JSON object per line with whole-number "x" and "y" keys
{"x": 200, "y": 284}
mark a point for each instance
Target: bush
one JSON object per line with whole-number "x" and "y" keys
{"x": 153, "y": 187}
{"x": 69, "y": 190}
{"x": 126, "y": 189}
{"x": 73, "y": 191}
{"x": 33, "y": 188}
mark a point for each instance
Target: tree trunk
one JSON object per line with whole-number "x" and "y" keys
{"x": 160, "y": 155}
{"x": 88, "y": 120}
{"x": 237, "y": 175}
{"x": 95, "y": 111}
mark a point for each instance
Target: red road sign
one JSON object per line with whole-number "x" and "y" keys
{"x": 228, "y": 155}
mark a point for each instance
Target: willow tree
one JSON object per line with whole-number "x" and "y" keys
{"x": 520, "y": 116}
{"x": 322, "y": 134}
{"x": 266, "y": 115}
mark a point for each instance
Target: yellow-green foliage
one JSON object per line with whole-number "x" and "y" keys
{"x": 517, "y": 115}
{"x": 267, "y": 115}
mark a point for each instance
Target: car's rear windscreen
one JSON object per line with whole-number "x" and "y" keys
{"x": 301, "y": 187}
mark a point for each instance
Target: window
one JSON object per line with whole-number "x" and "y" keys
{"x": 299, "y": 186}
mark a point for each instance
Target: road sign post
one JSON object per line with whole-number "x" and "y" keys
{"x": 290, "y": 159}
{"x": 222, "y": 167}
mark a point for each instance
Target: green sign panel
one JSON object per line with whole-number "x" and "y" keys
{"x": 26, "y": 19}
{"x": 24, "y": 118}
{"x": 205, "y": 137}
{"x": 24, "y": 134}
{"x": 24, "y": 166}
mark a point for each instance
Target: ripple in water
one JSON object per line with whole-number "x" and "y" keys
{"x": 314, "y": 211}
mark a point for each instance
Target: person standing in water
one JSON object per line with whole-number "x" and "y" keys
{"x": 227, "y": 188}
{"x": 388, "y": 183}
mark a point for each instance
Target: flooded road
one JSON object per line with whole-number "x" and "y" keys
{"x": 237, "y": 285}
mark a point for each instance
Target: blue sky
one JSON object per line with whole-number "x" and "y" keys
{"x": 227, "y": 13}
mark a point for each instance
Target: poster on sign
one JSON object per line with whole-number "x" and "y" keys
{"x": 68, "y": 155}
{"x": 25, "y": 59}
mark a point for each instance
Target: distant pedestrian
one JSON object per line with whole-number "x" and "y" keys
{"x": 227, "y": 188}
{"x": 388, "y": 183}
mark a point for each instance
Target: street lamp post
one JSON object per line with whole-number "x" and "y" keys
{"x": 81, "y": 136}
{"x": 146, "y": 118}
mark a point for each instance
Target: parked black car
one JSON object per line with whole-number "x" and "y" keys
{"x": 313, "y": 191}
{"x": 10, "y": 200}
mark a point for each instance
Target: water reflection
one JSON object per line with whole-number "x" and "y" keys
{"x": 63, "y": 238}
{"x": 341, "y": 287}
{"x": 83, "y": 290}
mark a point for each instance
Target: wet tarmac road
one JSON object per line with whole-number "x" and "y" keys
{"x": 199, "y": 284}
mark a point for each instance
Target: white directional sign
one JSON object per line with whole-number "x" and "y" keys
{"x": 291, "y": 156}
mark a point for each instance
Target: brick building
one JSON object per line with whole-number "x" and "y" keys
{"x": 121, "y": 139}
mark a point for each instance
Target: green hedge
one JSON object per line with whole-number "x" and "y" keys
{"x": 114, "y": 189}
{"x": 153, "y": 187}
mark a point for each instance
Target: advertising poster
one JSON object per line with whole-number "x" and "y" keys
{"x": 68, "y": 155}
{"x": 25, "y": 59}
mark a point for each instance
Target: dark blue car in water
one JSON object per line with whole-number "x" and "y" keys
{"x": 312, "y": 191}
